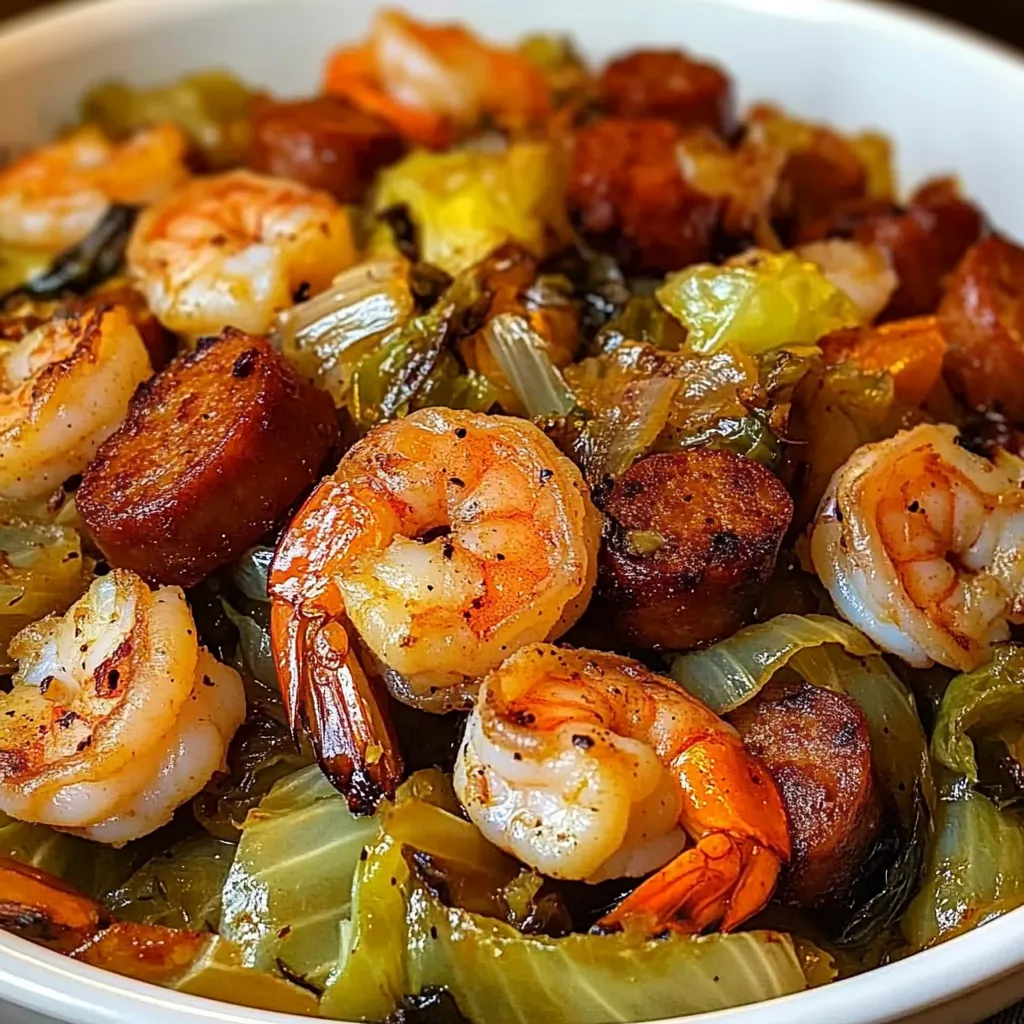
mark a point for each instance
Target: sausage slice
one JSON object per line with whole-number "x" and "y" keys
{"x": 627, "y": 194}
{"x": 668, "y": 84}
{"x": 816, "y": 745}
{"x": 323, "y": 142}
{"x": 214, "y": 450}
{"x": 694, "y": 540}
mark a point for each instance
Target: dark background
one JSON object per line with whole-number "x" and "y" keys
{"x": 1001, "y": 18}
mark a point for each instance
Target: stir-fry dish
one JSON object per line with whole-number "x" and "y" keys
{"x": 502, "y": 540}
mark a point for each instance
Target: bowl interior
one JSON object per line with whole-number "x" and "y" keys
{"x": 949, "y": 101}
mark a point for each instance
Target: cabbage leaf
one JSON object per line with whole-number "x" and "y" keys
{"x": 759, "y": 302}
{"x": 291, "y": 881}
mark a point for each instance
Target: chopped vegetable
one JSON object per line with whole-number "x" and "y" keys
{"x": 974, "y": 871}
{"x": 211, "y": 107}
{"x": 522, "y": 356}
{"x": 497, "y": 975}
{"x": 250, "y": 573}
{"x": 291, "y": 882}
{"x": 220, "y": 973}
{"x": 98, "y": 257}
{"x": 42, "y": 571}
{"x": 986, "y": 702}
{"x": 177, "y": 888}
{"x": 466, "y": 203}
{"x": 762, "y": 303}
{"x": 254, "y": 648}
{"x": 326, "y": 336}
{"x": 643, "y": 319}
{"x": 18, "y": 266}
{"x": 262, "y": 753}
{"x": 910, "y": 351}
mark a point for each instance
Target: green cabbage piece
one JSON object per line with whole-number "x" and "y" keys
{"x": 211, "y": 108}
{"x": 402, "y": 940}
{"x": 986, "y": 702}
{"x": 92, "y": 868}
{"x": 764, "y": 302}
{"x": 178, "y": 888}
{"x": 219, "y": 973}
{"x": 466, "y": 203}
{"x": 291, "y": 881}
{"x": 18, "y": 266}
{"x": 42, "y": 571}
{"x": 974, "y": 870}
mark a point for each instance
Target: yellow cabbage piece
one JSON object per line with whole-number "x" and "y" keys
{"x": 756, "y": 303}
{"x": 466, "y": 203}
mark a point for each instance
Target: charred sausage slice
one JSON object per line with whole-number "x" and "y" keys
{"x": 693, "y": 541}
{"x": 214, "y": 450}
{"x": 815, "y": 743}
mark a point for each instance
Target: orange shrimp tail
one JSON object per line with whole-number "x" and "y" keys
{"x": 328, "y": 697}
{"x": 722, "y": 880}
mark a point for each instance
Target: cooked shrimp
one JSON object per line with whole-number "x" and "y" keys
{"x": 588, "y": 766}
{"x": 116, "y": 715}
{"x": 64, "y": 388}
{"x": 54, "y": 196}
{"x": 234, "y": 249}
{"x": 921, "y": 545}
{"x": 444, "y": 540}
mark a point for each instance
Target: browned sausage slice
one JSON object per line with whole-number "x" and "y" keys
{"x": 694, "y": 541}
{"x": 628, "y": 195}
{"x": 668, "y": 84}
{"x": 815, "y": 743}
{"x": 323, "y": 142}
{"x": 982, "y": 314}
{"x": 214, "y": 450}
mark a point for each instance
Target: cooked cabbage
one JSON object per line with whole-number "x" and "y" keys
{"x": 465, "y": 203}
{"x": 291, "y": 881}
{"x": 210, "y": 107}
{"x": 759, "y": 302}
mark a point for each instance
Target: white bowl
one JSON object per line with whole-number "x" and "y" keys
{"x": 951, "y": 101}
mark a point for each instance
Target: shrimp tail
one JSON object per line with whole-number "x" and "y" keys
{"x": 329, "y": 697}
{"x": 724, "y": 878}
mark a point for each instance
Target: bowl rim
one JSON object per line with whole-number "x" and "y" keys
{"x": 50, "y": 983}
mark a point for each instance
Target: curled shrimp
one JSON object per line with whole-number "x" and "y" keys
{"x": 116, "y": 716}
{"x": 921, "y": 545}
{"x": 430, "y": 80}
{"x": 444, "y": 541}
{"x": 234, "y": 249}
{"x": 588, "y": 766}
{"x": 54, "y": 196}
{"x": 64, "y": 388}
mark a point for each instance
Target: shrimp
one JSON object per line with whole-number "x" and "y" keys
{"x": 234, "y": 249}
{"x": 116, "y": 715}
{"x": 587, "y": 766}
{"x": 921, "y": 545}
{"x": 54, "y": 196}
{"x": 444, "y": 541}
{"x": 64, "y": 389}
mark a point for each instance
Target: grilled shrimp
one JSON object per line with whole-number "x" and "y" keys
{"x": 64, "y": 388}
{"x": 588, "y": 766}
{"x": 233, "y": 250}
{"x": 116, "y": 715}
{"x": 921, "y": 545}
{"x": 444, "y": 540}
{"x": 54, "y": 196}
